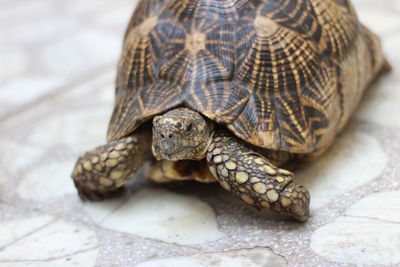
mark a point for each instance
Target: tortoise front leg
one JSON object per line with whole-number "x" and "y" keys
{"x": 254, "y": 180}
{"x": 101, "y": 172}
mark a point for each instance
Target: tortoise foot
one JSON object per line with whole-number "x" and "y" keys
{"x": 253, "y": 179}
{"x": 103, "y": 171}
{"x": 293, "y": 200}
{"x": 86, "y": 194}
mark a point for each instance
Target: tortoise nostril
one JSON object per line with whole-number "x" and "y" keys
{"x": 163, "y": 136}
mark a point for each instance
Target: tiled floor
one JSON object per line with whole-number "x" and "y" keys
{"x": 57, "y": 67}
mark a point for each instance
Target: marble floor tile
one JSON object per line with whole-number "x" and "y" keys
{"x": 160, "y": 215}
{"x": 47, "y": 182}
{"x": 52, "y": 45}
{"x": 343, "y": 168}
{"x": 383, "y": 206}
{"x": 380, "y": 104}
{"x": 46, "y": 241}
{"x": 56, "y": 98}
{"x": 369, "y": 233}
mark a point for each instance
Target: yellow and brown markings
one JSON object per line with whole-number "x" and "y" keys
{"x": 136, "y": 62}
{"x": 340, "y": 26}
{"x": 183, "y": 48}
{"x": 135, "y": 71}
{"x": 362, "y": 65}
{"x": 254, "y": 180}
{"x": 276, "y": 74}
{"x": 269, "y": 70}
{"x": 103, "y": 170}
{"x": 265, "y": 26}
{"x": 153, "y": 100}
{"x": 293, "y": 81}
{"x": 295, "y": 15}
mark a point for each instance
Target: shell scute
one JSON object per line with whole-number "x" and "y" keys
{"x": 271, "y": 71}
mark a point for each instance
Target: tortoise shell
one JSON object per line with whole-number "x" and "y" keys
{"x": 282, "y": 75}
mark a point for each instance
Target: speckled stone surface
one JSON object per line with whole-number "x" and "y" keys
{"x": 57, "y": 68}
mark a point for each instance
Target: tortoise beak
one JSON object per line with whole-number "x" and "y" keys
{"x": 167, "y": 147}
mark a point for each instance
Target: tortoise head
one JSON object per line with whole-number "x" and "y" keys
{"x": 181, "y": 134}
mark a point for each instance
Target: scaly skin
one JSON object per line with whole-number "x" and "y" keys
{"x": 253, "y": 179}
{"x": 237, "y": 167}
{"x": 103, "y": 171}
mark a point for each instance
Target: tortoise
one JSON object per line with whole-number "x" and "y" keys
{"x": 232, "y": 91}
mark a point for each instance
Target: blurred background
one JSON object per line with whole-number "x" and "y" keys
{"x": 57, "y": 69}
{"x": 48, "y": 46}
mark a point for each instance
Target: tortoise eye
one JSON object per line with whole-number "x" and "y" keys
{"x": 189, "y": 127}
